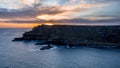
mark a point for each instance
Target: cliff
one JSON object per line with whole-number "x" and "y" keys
{"x": 74, "y": 35}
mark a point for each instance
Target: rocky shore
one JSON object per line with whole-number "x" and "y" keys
{"x": 62, "y": 35}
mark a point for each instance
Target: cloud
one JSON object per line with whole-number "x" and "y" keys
{"x": 38, "y": 9}
{"x": 24, "y": 21}
{"x": 71, "y": 21}
{"x": 64, "y": 11}
{"x": 28, "y": 12}
{"x": 84, "y": 20}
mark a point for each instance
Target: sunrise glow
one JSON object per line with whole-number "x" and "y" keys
{"x": 49, "y": 24}
{"x": 44, "y": 17}
{"x": 17, "y": 25}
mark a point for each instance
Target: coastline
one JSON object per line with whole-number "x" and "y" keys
{"x": 62, "y": 35}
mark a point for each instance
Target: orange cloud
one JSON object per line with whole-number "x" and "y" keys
{"x": 18, "y": 25}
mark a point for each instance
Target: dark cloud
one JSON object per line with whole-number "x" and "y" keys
{"x": 113, "y": 20}
{"x": 24, "y": 21}
{"x": 75, "y": 20}
{"x": 80, "y": 20}
{"x": 30, "y": 12}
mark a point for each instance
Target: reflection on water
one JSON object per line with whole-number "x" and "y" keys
{"x": 28, "y": 55}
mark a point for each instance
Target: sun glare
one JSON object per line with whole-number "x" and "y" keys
{"x": 49, "y": 24}
{"x": 51, "y": 17}
{"x": 44, "y": 17}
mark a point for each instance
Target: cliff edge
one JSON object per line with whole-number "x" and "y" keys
{"x": 74, "y": 35}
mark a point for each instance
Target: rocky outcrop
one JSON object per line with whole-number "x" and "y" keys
{"x": 46, "y": 47}
{"x": 74, "y": 35}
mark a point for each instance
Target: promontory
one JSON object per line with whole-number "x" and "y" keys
{"x": 74, "y": 35}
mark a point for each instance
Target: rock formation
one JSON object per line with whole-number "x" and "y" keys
{"x": 74, "y": 35}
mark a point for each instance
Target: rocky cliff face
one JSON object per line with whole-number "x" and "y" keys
{"x": 73, "y": 35}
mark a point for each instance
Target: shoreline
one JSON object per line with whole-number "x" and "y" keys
{"x": 92, "y": 36}
{"x": 82, "y": 44}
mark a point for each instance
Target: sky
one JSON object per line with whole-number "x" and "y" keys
{"x": 29, "y": 13}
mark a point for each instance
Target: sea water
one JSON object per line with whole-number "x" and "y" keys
{"x": 24, "y": 54}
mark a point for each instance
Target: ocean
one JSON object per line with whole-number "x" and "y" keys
{"x": 25, "y": 54}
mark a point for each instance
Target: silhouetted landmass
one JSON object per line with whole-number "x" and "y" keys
{"x": 94, "y": 36}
